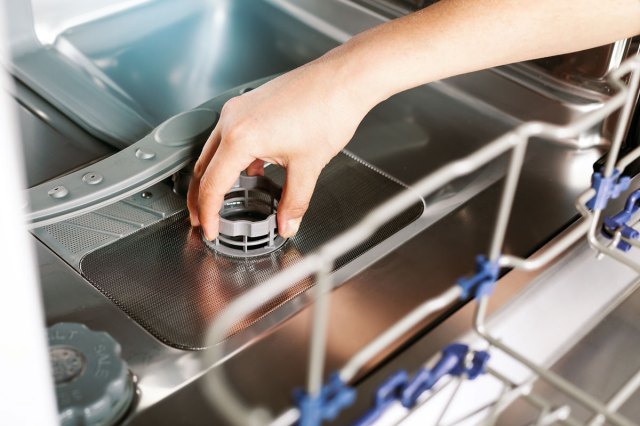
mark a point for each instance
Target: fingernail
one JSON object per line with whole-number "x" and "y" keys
{"x": 194, "y": 221}
{"x": 292, "y": 227}
{"x": 210, "y": 237}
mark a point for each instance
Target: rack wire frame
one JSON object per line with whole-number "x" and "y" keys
{"x": 625, "y": 81}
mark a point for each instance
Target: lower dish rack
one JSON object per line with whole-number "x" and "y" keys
{"x": 436, "y": 389}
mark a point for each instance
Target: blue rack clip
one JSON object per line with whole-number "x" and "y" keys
{"x": 607, "y": 189}
{"x": 333, "y": 398}
{"x": 388, "y": 392}
{"x": 484, "y": 280}
{"x": 620, "y": 222}
{"x": 452, "y": 362}
{"x": 398, "y": 387}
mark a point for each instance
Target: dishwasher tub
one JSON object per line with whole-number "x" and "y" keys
{"x": 121, "y": 68}
{"x": 406, "y": 137}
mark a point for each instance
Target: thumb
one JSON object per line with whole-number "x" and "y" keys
{"x": 298, "y": 189}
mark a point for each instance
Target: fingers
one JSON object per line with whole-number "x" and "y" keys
{"x": 298, "y": 189}
{"x": 256, "y": 168}
{"x": 207, "y": 154}
{"x": 223, "y": 171}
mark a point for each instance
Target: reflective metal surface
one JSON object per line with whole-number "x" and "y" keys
{"x": 74, "y": 238}
{"x": 407, "y": 136}
{"x": 588, "y": 67}
{"x": 161, "y": 58}
{"x": 600, "y": 363}
{"x": 556, "y": 309}
{"x": 167, "y": 57}
{"x": 578, "y": 72}
{"x": 360, "y": 309}
{"x": 170, "y": 57}
{"x": 166, "y": 278}
{"x": 52, "y": 144}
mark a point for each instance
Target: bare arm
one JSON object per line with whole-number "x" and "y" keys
{"x": 458, "y": 36}
{"x": 303, "y": 118}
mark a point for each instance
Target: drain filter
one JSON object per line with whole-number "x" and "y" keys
{"x": 165, "y": 278}
{"x": 248, "y": 225}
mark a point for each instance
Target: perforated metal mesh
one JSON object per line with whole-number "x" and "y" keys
{"x": 100, "y": 223}
{"x": 168, "y": 204}
{"x": 76, "y": 239}
{"x": 165, "y": 278}
{"x": 127, "y": 212}
{"x": 71, "y": 239}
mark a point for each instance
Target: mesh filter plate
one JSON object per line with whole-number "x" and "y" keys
{"x": 166, "y": 279}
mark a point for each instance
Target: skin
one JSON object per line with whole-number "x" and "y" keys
{"x": 303, "y": 118}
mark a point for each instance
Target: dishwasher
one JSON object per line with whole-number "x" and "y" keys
{"x": 469, "y": 258}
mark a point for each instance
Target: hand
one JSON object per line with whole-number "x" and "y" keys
{"x": 299, "y": 121}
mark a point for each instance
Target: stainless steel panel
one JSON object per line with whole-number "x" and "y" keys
{"x": 361, "y": 308}
{"x": 52, "y": 144}
{"x": 407, "y": 136}
{"x": 168, "y": 57}
{"x": 599, "y": 364}
{"x": 74, "y": 238}
{"x": 165, "y": 57}
{"x": 160, "y": 57}
{"x": 173, "y": 284}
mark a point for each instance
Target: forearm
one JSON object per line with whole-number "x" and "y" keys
{"x": 301, "y": 119}
{"x": 457, "y": 36}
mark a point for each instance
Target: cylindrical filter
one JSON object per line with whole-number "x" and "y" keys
{"x": 248, "y": 225}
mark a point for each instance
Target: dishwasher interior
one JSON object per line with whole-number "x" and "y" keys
{"x": 434, "y": 177}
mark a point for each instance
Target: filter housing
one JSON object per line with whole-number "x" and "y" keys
{"x": 248, "y": 225}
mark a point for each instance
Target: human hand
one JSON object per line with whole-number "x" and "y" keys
{"x": 299, "y": 121}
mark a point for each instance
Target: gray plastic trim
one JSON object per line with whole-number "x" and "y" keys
{"x": 167, "y": 149}
{"x": 98, "y": 389}
{"x": 248, "y": 238}
{"x": 185, "y": 128}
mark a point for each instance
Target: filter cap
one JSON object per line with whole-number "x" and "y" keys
{"x": 93, "y": 384}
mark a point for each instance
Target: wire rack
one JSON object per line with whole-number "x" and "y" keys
{"x": 441, "y": 379}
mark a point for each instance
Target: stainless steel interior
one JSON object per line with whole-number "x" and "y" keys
{"x": 163, "y": 58}
{"x": 421, "y": 266}
{"x": 609, "y": 353}
{"x": 170, "y": 281}
{"x": 52, "y": 144}
{"x": 119, "y": 87}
